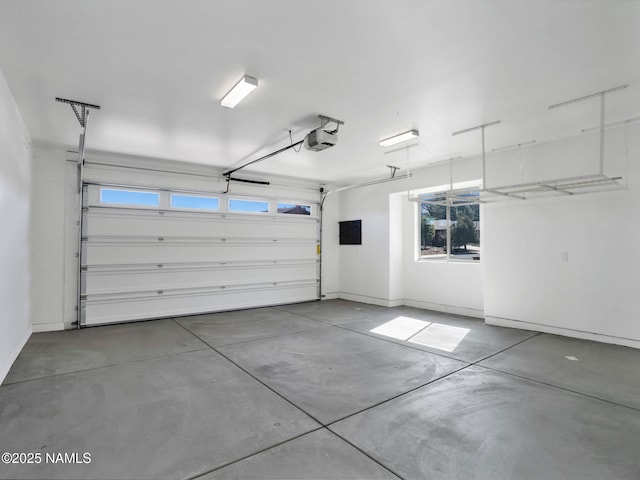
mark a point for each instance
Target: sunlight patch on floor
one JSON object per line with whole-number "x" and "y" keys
{"x": 442, "y": 337}
{"x": 434, "y": 335}
{"x": 401, "y": 328}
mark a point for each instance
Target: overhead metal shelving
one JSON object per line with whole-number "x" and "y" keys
{"x": 565, "y": 186}
{"x": 560, "y": 187}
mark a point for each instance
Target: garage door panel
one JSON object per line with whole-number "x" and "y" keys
{"x": 108, "y": 254}
{"x": 150, "y": 223}
{"x": 103, "y": 311}
{"x": 155, "y": 262}
{"x": 114, "y": 280}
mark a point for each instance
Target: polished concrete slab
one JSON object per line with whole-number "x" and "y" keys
{"x": 317, "y": 455}
{"x": 337, "y": 312}
{"x": 609, "y": 372}
{"x": 169, "y": 400}
{"x": 177, "y": 416}
{"x": 331, "y": 372}
{"x": 455, "y": 336}
{"x": 54, "y": 353}
{"x": 244, "y": 325}
{"x": 479, "y": 424}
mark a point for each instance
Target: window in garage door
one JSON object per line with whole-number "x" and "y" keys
{"x": 194, "y": 202}
{"x": 129, "y": 197}
{"x": 248, "y": 206}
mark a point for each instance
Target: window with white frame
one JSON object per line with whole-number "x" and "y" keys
{"x": 294, "y": 208}
{"x": 194, "y": 202}
{"x": 250, "y": 206}
{"x": 133, "y": 198}
{"x": 449, "y": 224}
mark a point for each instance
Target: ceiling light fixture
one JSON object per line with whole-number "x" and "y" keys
{"x": 402, "y": 137}
{"x": 240, "y": 90}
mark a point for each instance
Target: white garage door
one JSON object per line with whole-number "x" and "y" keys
{"x": 150, "y": 253}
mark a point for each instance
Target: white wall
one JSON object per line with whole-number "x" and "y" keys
{"x": 48, "y": 228}
{"x": 455, "y": 287}
{"x": 15, "y": 180}
{"x": 364, "y": 269}
{"x": 397, "y": 202}
{"x": 385, "y": 269}
{"x": 330, "y": 250}
{"x": 521, "y": 281}
{"x": 595, "y": 294}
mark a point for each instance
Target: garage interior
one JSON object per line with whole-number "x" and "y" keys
{"x": 282, "y": 288}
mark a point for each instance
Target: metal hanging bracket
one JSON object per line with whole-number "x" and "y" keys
{"x": 83, "y": 118}
{"x": 324, "y": 121}
{"x": 83, "y": 114}
{"x": 393, "y": 170}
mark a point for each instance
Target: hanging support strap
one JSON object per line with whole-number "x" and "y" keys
{"x": 480, "y": 127}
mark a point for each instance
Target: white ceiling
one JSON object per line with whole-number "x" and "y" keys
{"x": 159, "y": 68}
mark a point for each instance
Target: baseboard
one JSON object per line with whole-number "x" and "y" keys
{"x": 48, "y": 327}
{"x": 382, "y": 302}
{"x": 330, "y": 296}
{"x": 4, "y": 369}
{"x": 567, "y": 332}
{"x": 437, "y": 307}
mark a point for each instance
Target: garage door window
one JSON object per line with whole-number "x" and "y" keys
{"x": 129, "y": 197}
{"x": 194, "y": 202}
{"x": 294, "y": 209}
{"x": 250, "y": 206}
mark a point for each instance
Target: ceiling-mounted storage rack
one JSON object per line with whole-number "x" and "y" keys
{"x": 451, "y": 198}
{"x": 559, "y": 186}
{"x": 565, "y": 186}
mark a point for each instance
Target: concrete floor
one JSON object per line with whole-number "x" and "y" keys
{"x": 323, "y": 390}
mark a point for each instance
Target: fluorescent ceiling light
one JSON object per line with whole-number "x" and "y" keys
{"x": 240, "y": 90}
{"x": 402, "y": 137}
